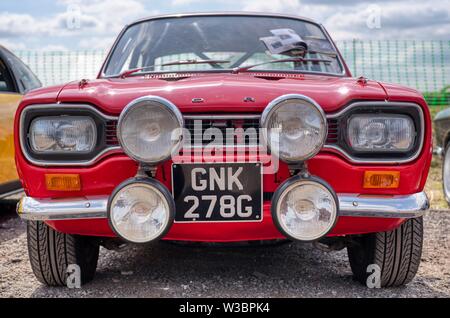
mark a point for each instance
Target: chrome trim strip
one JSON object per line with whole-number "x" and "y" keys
{"x": 247, "y": 147}
{"x": 62, "y": 209}
{"x": 378, "y": 104}
{"x": 45, "y": 163}
{"x": 225, "y": 13}
{"x": 221, "y": 117}
{"x": 399, "y": 206}
{"x": 343, "y": 64}
{"x": 353, "y": 205}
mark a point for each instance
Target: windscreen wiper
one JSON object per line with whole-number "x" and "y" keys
{"x": 180, "y": 62}
{"x": 328, "y": 53}
{"x": 188, "y": 62}
{"x": 291, "y": 59}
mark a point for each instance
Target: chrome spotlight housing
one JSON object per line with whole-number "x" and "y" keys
{"x": 305, "y": 208}
{"x": 150, "y": 130}
{"x": 141, "y": 210}
{"x": 294, "y": 128}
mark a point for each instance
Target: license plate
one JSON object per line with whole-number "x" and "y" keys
{"x": 230, "y": 192}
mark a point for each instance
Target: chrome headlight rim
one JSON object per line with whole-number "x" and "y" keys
{"x": 277, "y": 103}
{"x": 285, "y": 188}
{"x": 101, "y": 149}
{"x": 341, "y": 146}
{"x": 154, "y": 185}
{"x": 173, "y": 110}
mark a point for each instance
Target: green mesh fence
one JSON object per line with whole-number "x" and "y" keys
{"x": 424, "y": 65}
{"x": 56, "y": 67}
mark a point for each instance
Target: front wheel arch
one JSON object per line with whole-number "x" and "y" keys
{"x": 446, "y": 173}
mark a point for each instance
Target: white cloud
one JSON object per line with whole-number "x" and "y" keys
{"x": 104, "y": 16}
{"x": 272, "y": 6}
{"x": 184, "y": 2}
{"x": 100, "y": 21}
{"x": 90, "y": 19}
{"x": 97, "y": 43}
{"x": 13, "y": 45}
{"x": 12, "y": 24}
{"x": 398, "y": 20}
{"x": 347, "y": 19}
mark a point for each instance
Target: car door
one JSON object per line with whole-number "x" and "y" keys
{"x": 16, "y": 79}
{"x": 9, "y": 100}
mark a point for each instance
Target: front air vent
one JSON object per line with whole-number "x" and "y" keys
{"x": 333, "y": 132}
{"x": 111, "y": 133}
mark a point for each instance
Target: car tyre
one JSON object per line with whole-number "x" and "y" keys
{"x": 446, "y": 174}
{"x": 51, "y": 253}
{"x": 397, "y": 254}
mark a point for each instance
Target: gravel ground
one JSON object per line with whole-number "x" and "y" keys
{"x": 168, "y": 270}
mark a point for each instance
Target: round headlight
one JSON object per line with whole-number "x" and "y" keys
{"x": 150, "y": 129}
{"x": 305, "y": 209}
{"x": 294, "y": 128}
{"x": 141, "y": 211}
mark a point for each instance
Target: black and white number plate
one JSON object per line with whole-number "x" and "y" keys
{"x": 229, "y": 192}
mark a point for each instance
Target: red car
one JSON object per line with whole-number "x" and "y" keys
{"x": 225, "y": 128}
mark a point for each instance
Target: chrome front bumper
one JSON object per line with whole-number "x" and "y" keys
{"x": 402, "y": 206}
{"x": 63, "y": 209}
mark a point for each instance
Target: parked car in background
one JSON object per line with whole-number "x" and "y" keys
{"x": 225, "y": 128}
{"x": 16, "y": 79}
{"x": 442, "y": 133}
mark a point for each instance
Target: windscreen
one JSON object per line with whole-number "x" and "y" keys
{"x": 232, "y": 41}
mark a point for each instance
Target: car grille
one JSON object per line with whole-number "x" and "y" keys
{"x": 252, "y": 136}
{"x": 240, "y": 130}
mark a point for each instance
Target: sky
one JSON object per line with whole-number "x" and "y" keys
{"x": 94, "y": 24}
